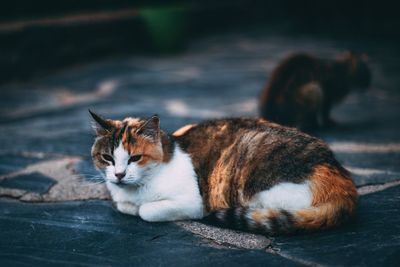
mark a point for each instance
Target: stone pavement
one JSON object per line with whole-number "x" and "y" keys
{"x": 46, "y": 137}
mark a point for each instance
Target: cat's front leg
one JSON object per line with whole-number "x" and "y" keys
{"x": 169, "y": 210}
{"x": 127, "y": 208}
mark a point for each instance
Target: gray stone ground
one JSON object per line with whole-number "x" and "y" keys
{"x": 46, "y": 137}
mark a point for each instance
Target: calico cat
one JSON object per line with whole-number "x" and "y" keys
{"x": 303, "y": 88}
{"x": 247, "y": 174}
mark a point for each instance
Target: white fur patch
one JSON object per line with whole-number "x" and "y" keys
{"x": 164, "y": 191}
{"x": 287, "y": 196}
{"x": 127, "y": 208}
{"x": 121, "y": 158}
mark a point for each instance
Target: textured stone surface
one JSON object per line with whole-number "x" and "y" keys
{"x": 69, "y": 186}
{"x": 33, "y": 182}
{"x": 13, "y": 162}
{"x": 96, "y": 232}
{"x": 219, "y": 76}
{"x": 93, "y": 234}
{"x": 226, "y": 237}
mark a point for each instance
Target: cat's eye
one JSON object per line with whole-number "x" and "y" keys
{"x": 107, "y": 157}
{"x": 134, "y": 158}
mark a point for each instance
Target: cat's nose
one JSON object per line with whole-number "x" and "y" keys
{"x": 120, "y": 175}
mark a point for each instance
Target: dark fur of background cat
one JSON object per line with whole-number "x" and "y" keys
{"x": 302, "y": 89}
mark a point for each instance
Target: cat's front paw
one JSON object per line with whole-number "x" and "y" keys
{"x": 127, "y": 208}
{"x": 149, "y": 212}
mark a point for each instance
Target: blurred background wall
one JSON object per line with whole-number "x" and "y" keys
{"x": 41, "y": 36}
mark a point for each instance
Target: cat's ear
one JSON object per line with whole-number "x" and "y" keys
{"x": 151, "y": 128}
{"x": 102, "y": 125}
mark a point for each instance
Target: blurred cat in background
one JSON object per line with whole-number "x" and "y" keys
{"x": 303, "y": 89}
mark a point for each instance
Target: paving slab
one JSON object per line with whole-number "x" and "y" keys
{"x": 33, "y": 182}
{"x": 12, "y": 162}
{"x": 93, "y": 234}
{"x": 372, "y": 168}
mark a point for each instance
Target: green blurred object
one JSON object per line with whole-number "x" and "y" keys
{"x": 166, "y": 27}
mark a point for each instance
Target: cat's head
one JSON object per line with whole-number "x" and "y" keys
{"x": 127, "y": 151}
{"x": 360, "y": 73}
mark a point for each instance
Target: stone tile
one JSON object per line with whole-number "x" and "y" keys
{"x": 92, "y": 233}
{"x": 32, "y": 182}
{"x": 372, "y": 240}
{"x": 371, "y": 168}
{"x": 11, "y": 163}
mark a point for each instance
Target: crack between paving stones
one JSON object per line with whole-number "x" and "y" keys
{"x": 156, "y": 237}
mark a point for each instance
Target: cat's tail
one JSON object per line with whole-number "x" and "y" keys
{"x": 279, "y": 221}
{"x": 332, "y": 205}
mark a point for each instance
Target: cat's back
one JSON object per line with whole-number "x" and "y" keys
{"x": 221, "y": 133}
{"x": 246, "y": 140}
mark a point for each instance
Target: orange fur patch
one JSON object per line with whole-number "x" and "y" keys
{"x": 257, "y": 216}
{"x": 141, "y": 146}
{"x": 334, "y": 199}
{"x": 219, "y": 187}
{"x": 261, "y": 215}
{"x": 226, "y": 182}
{"x": 181, "y": 131}
{"x": 263, "y": 220}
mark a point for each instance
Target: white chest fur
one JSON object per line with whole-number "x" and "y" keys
{"x": 169, "y": 193}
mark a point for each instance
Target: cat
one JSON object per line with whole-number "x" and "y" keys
{"x": 302, "y": 89}
{"x": 239, "y": 173}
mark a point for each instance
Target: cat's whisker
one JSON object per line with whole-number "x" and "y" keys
{"x": 92, "y": 182}
{"x": 84, "y": 176}
{"x": 91, "y": 179}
